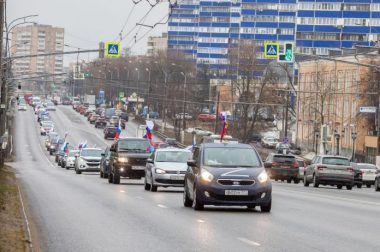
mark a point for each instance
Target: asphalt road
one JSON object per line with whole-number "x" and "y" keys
{"x": 85, "y": 213}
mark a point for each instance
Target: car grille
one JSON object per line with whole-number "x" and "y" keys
{"x": 171, "y": 182}
{"x": 93, "y": 163}
{"x": 137, "y": 161}
{"x": 236, "y": 182}
{"x": 235, "y": 198}
{"x": 175, "y": 172}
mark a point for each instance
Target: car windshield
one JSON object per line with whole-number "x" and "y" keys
{"x": 231, "y": 157}
{"x": 271, "y": 139}
{"x": 173, "y": 156}
{"x": 72, "y": 153}
{"x": 136, "y": 145}
{"x": 281, "y": 158}
{"x": 367, "y": 166}
{"x": 335, "y": 161}
{"x": 91, "y": 152}
{"x": 47, "y": 124}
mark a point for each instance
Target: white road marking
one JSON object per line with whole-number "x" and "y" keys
{"x": 200, "y": 221}
{"x": 162, "y": 206}
{"x": 249, "y": 242}
{"x": 139, "y": 197}
{"x": 122, "y": 191}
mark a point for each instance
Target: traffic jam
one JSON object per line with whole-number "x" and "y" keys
{"x": 217, "y": 171}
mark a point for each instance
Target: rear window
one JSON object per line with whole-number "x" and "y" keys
{"x": 335, "y": 161}
{"x": 111, "y": 129}
{"x": 281, "y": 158}
{"x": 367, "y": 166}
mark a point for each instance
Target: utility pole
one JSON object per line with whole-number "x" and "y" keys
{"x": 3, "y": 101}
{"x": 184, "y": 109}
{"x": 217, "y": 112}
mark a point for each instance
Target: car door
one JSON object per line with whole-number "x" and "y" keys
{"x": 310, "y": 168}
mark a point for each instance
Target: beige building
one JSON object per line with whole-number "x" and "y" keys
{"x": 330, "y": 94}
{"x": 38, "y": 39}
{"x": 157, "y": 44}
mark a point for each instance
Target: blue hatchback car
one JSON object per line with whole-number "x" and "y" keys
{"x": 227, "y": 174}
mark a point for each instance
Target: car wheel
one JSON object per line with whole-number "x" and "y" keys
{"x": 368, "y": 185}
{"x": 305, "y": 182}
{"x": 116, "y": 179}
{"x": 153, "y": 188}
{"x": 315, "y": 181}
{"x": 187, "y": 202}
{"x": 101, "y": 174}
{"x": 289, "y": 181}
{"x": 296, "y": 181}
{"x": 78, "y": 171}
{"x": 339, "y": 186}
{"x": 197, "y": 204}
{"x": 267, "y": 207}
{"x": 377, "y": 186}
{"x": 110, "y": 178}
{"x": 359, "y": 186}
{"x": 349, "y": 187}
{"x": 146, "y": 185}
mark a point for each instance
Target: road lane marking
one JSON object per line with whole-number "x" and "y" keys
{"x": 162, "y": 206}
{"x": 201, "y": 221}
{"x": 331, "y": 197}
{"x": 249, "y": 242}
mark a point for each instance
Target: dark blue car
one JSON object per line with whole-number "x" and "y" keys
{"x": 227, "y": 174}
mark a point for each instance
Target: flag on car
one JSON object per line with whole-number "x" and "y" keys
{"x": 148, "y": 134}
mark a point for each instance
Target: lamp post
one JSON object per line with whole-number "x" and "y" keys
{"x": 353, "y": 136}
{"x": 148, "y": 99}
{"x": 337, "y": 137}
{"x": 137, "y": 94}
{"x": 184, "y": 108}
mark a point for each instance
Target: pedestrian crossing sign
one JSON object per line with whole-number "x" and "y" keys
{"x": 271, "y": 50}
{"x": 113, "y": 49}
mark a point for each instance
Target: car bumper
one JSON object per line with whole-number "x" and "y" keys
{"x": 214, "y": 194}
{"x": 89, "y": 169}
{"x": 335, "y": 180}
{"x": 125, "y": 170}
{"x": 284, "y": 173}
{"x": 369, "y": 178}
{"x": 175, "y": 180}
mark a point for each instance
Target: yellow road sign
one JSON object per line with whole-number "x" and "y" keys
{"x": 113, "y": 49}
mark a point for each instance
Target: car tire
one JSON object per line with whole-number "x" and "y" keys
{"x": 315, "y": 181}
{"x": 349, "y": 187}
{"x": 110, "y": 178}
{"x": 187, "y": 202}
{"x": 305, "y": 182}
{"x": 267, "y": 207}
{"x": 146, "y": 185}
{"x": 101, "y": 174}
{"x": 289, "y": 181}
{"x": 78, "y": 171}
{"x": 296, "y": 181}
{"x": 339, "y": 186}
{"x": 368, "y": 185}
{"x": 153, "y": 188}
{"x": 116, "y": 179}
{"x": 359, "y": 186}
{"x": 377, "y": 186}
{"x": 67, "y": 168}
{"x": 197, "y": 204}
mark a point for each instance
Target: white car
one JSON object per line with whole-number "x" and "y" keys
{"x": 369, "y": 173}
{"x": 69, "y": 159}
{"x": 199, "y": 131}
{"x": 88, "y": 160}
{"x": 269, "y": 142}
{"x": 50, "y": 106}
{"x": 166, "y": 167}
{"x": 22, "y": 107}
{"x": 46, "y": 127}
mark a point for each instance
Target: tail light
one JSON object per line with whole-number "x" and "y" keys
{"x": 296, "y": 165}
{"x": 360, "y": 174}
{"x": 275, "y": 163}
{"x": 350, "y": 169}
{"x": 321, "y": 167}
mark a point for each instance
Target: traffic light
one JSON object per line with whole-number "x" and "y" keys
{"x": 288, "y": 54}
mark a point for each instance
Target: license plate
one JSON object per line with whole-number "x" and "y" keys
{"x": 285, "y": 167}
{"x": 236, "y": 192}
{"x": 177, "y": 177}
{"x": 138, "y": 167}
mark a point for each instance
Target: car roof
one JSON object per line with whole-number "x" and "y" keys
{"x": 332, "y": 156}
{"x": 231, "y": 145}
{"x": 172, "y": 149}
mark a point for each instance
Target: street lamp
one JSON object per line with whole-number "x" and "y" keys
{"x": 353, "y": 136}
{"x": 337, "y": 137}
{"x": 137, "y": 94}
{"x": 148, "y": 100}
{"x": 184, "y": 108}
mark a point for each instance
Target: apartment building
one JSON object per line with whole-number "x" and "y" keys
{"x": 156, "y": 44}
{"x": 38, "y": 39}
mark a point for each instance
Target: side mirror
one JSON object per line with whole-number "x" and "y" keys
{"x": 149, "y": 160}
{"x": 191, "y": 163}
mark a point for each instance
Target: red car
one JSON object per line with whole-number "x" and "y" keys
{"x": 82, "y": 110}
{"x": 206, "y": 117}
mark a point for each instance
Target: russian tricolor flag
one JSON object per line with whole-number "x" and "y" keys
{"x": 118, "y": 131}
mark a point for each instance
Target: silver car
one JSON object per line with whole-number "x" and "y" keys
{"x": 69, "y": 159}
{"x": 369, "y": 173}
{"x": 88, "y": 160}
{"x": 166, "y": 167}
{"x": 329, "y": 170}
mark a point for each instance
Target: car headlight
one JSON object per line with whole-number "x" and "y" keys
{"x": 206, "y": 176}
{"x": 263, "y": 177}
{"x": 160, "y": 171}
{"x": 122, "y": 160}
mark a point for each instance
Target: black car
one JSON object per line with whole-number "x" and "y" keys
{"x": 128, "y": 159}
{"x": 55, "y": 146}
{"x": 255, "y": 137}
{"x": 282, "y": 167}
{"x": 358, "y": 175}
{"x": 377, "y": 182}
{"x": 59, "y": 155}
{"x": 100, "y": 122}
{"x": 105, "y": 163}
{"x": 227, "y": 174}
{"x": 110, "y": 132}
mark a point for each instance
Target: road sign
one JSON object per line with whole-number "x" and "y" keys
{"x": 113, "y": 49}
{"x": 288, "y": 55}
{"x": 367, "y": 109}
{"x": 271, "y": 49}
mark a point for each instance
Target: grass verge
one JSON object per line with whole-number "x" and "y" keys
{"x": 12, "y": 228}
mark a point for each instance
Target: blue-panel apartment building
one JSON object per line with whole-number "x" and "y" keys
{"x": 206, "y": 29}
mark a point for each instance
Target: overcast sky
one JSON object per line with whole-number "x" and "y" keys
{"x": 87, "y": 22}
